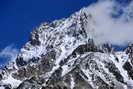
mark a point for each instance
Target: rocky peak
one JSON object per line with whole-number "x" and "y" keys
{"x": 64, "y": 34}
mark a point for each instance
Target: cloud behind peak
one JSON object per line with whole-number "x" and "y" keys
{"x": 9, "y": 53}
{"x": 108, "y": 29}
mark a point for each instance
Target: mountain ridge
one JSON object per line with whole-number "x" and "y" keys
{"x": 63, "y": 55}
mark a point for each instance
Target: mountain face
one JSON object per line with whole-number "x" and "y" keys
{"x": 63, "y": 55}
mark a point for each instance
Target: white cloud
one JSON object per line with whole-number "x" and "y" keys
{"x": 117, "y": 31}
{"x": 9, "y": 52}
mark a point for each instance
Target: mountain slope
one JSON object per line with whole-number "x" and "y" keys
{"x": 63, "y": 55}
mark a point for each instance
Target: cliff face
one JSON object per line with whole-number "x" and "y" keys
{"x": 63, "y": 55}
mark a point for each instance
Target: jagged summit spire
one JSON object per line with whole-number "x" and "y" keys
{"x": 64, "y": 34}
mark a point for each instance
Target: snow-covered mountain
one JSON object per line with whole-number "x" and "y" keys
{"x": 63, "y": 55}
